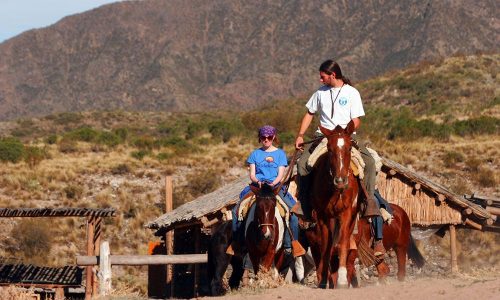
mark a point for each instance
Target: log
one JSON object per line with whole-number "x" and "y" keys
{"x": 489, "y": 222}
{"x": 392, "y": 172}
{"x": 488, "y": 199}
{"x": 104, "y": 269}
{"x": 467, "y": 211}
{"x": 473, "y": 224}
{"x": 417, "y": 186}
{"x": 442, "y": 197}
{"x": 493, "y": 210}
{"x": 140, "y": 260}
{"x": 207, "y": 223}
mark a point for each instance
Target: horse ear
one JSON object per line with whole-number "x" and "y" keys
{"x": 324, "y": 131}
{"x": 255, "y": 189}
{"x": 350, "y": 128}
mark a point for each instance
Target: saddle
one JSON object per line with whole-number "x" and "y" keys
{"x": 249, "y": 200}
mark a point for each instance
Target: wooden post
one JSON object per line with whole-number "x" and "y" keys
{"x": 104, "y": 270}
{"x": 196, "y": 267}
{"x": 89, "y": 290}
{"x": 97, "y": 242}
{"x": 169, "y": 237}
{"x": 453, "y": 249}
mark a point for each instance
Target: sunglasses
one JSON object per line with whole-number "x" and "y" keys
{"x": 270, "y": 138}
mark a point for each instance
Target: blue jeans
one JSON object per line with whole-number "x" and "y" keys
{"x": 289, "y": 201}
{"x": 378, "y": 222}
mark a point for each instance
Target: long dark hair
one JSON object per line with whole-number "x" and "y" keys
{"x": 330, "y": 67}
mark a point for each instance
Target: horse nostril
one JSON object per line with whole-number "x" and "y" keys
{"x": 338, "y": 180}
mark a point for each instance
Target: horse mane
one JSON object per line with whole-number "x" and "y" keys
{"x": 266, "y": 191}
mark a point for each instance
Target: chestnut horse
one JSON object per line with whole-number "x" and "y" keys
{"x": 397, "y": 236}
{"x": 333, "y": 197}
{"x": 263, "y": 235}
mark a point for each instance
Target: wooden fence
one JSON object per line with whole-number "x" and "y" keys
{"x": 105, "y": 260}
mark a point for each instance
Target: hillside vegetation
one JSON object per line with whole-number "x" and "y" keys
{"x": 440, "y": 118}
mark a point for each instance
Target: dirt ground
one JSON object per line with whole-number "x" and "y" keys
{"x": 459, "y": 287}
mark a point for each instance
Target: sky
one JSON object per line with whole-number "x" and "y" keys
{"x": 17, "y": 16}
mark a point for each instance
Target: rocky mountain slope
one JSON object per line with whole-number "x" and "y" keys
{"x": 206, "y": 55}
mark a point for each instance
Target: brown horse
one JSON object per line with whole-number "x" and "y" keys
{"x": 333, "y": 195}
{"x": 397, "y": 236}
{"x": 263, "y": 232}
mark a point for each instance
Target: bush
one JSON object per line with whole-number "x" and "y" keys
{"x": 144, "y": 143}
{"x": 11, "y": 149}
{"x": 51, "y": 139}
{"x": 122, "y": 133}
{"x": 450, "y": 158}
{"x": 34, "y": 155}
{"x": 203, "y": 182}
{"x": 108, "y": 138}
{"x": 486, "y": 178}
{"x": 73, "y": 191}
{"x": 481, "y": 125}
{"x": 139, "y": 154}
{"x": 67, "y": 145}
{"x": 120, "y": 169}
{"x": 33, "y": 238}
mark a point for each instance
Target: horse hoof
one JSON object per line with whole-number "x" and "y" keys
{"x": 342, "y": 285}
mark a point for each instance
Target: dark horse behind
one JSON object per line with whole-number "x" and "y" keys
{"x": 218, "y": 260}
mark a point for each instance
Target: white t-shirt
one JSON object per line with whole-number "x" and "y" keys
{"x": 347, "y": 105}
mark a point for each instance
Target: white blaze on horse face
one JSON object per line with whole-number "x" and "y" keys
{"x": 340, "y": 144}
{"x": 268, "y": 232}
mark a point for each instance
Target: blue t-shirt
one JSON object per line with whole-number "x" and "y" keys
{"x": 267, "y": 163}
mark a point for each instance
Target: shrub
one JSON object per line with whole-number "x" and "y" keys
{"x": 163, "y": 156}
{"x": 51, "y": 139}
{"x": 11, "y": 149}
{"x": 108, "y": 138}
{"x": 486, "y": 178}
{"x": 144, "y": 142}
{"x": 34, "y": 155}
{"x": 120, "y": 169}
{"x": 33, "y": 238}
{"x": 122, "y": 133}
{"x": 203, "y": 182}
{"x": 481, "y": 125}
{"x": 84, "y": 134}
{"x": 139, "y": 154}
{"x": 73, "y": 191}
{"x": 450, "y": 158}
{"x": 67, "y": 145}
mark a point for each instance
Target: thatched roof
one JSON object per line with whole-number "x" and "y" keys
{"x": 57, "y": 212}
{"x": 196, "y": 211}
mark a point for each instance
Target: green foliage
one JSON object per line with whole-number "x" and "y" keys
{"x": 144, "y": 142}
{"x": 84, "y": 134}
{"x": 33, "y": 237}
{"x": 164, "y": 156}
{"x": 225, "y": 129}
{"x": 11, "y": 150}
{"x": 34, "y": 155}
{"x": 65, "y": 118}
{"x": 140, "y": 154}
{"x": 109, "y": 139}
{"x": 121, "y": 132}
{"x": 51, "y": 139}
{"x": 477, "y": 126}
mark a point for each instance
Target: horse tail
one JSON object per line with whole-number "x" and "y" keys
{"x": 414, "y": 254}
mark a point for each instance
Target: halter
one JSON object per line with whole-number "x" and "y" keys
{"x": 349, "y": 171}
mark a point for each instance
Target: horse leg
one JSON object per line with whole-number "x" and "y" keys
{"x": 237, "y": 274}
{"x": 382, "y": 271}
{"x": 346, "y": 222}
{"x": 324, "y": 260}
{"x": 351, "y": 270}
{"x": 401, "y": 257}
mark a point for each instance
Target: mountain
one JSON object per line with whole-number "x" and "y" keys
{"x": 200, "y": 55}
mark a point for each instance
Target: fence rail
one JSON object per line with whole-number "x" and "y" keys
{"x": 140, "y": 260}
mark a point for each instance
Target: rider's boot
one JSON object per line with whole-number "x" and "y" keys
{"x": 378, "y": 248}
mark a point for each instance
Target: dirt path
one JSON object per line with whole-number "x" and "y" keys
{"x": 458, "y": 288}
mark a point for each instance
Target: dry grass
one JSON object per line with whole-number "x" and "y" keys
{"x": 14, "y": 293}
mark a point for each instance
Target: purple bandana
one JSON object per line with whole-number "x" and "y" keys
{"x": 267, "y": 131}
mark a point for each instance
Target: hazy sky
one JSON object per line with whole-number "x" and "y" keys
{"x": 17, "y": 16}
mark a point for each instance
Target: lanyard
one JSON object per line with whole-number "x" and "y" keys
{"x": 334, "y": 100}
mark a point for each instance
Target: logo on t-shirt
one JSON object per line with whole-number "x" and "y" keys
{"x": 269, "y": 159}
{"x": 343, "y": 101}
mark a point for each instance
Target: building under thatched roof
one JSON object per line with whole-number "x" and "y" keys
{"x": 426, "y": 202}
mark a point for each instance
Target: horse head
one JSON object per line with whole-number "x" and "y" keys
{"x": 339, "y": 150}
{"x": 264, "y": 210}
